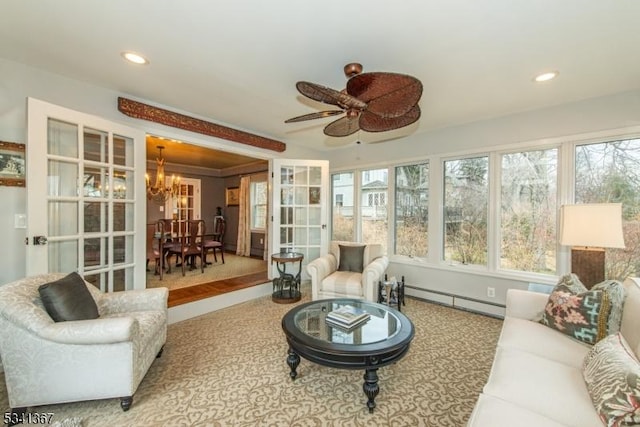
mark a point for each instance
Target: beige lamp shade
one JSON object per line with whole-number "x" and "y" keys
{"x": 596, "y": 225}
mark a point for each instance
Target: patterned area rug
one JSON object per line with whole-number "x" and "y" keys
{"x": 233, "y": 266}
{"x": 228, "y": 368}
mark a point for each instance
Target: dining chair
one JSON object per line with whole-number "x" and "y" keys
{"x": 216, "y": 242}
{"x": 153, "y": 248}
{"x": 189, "y": 244}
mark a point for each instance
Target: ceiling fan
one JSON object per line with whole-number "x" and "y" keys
{"x": 372, "y": 102}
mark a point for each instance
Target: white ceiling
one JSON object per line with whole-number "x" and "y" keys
{"x": 236, "y": 62}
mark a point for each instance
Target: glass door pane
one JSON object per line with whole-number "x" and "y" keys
{"x": 84, "y": 205}
{"x": 300, "y": 208}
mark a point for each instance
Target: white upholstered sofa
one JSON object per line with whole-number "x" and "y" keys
{"x": 327, "y": 281}
{"x": 536, "y": 379}
{"x": 48, "y": 362}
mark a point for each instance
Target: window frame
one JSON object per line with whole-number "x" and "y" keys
{"x": 566, "y": 146}
{"x": 393, "y": 220}
{"x": 496, "y": 236}
{"x": 253, "y": 204}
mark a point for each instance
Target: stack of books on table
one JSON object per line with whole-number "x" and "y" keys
{"x": 347, "y": 317}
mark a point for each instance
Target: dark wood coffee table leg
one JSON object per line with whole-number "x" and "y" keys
{"x": 370, "y": 387}
{"x": 293, "y": 360}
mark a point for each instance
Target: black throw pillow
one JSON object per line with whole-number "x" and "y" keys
{"x": 351, "y": 258}
{"x": 68, "y": 299}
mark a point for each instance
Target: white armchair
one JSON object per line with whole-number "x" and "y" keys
{"x": 327, "y": 281}
{"x": 47, "y": 362}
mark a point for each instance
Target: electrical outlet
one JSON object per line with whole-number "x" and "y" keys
{"x": 491, "y": 292}
{"x": 262, "y": 241}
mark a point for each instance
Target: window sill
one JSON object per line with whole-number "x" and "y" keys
{"x": 475, "y": 269}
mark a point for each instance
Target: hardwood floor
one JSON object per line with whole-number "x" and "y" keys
{"x": 206, "y": 290}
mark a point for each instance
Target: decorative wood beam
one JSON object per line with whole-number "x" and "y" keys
{"x": 148, "y": 112}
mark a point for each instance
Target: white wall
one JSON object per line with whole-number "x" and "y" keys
{"x": 18, "y": 82}
{"x": 614, "y": 112}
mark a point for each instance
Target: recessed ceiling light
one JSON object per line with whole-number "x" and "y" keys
{"x": 135, "y": 58}
{"x": 545, "y": 77}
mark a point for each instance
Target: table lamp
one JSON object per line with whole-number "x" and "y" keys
{"x": 589, "y": 228}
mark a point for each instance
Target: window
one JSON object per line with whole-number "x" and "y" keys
{"x": 186, "y": 204}
{"x": 412, "y": 210}
{"x": 342, "y": 196}
{"x": 258, "y": 194}
{"x": 376, "y": 199}
{"x": 465, "y": 210}
{"x": 528, "y": 211}
{"x": 609, "y": 172}
{"x": 373, "y": 212}
{"x": 499, "y": 208}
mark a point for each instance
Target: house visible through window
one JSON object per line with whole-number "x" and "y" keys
{"x": 373, "y": 212}
{"x": 497, "y": 210}
{"x": 342, "y": 193}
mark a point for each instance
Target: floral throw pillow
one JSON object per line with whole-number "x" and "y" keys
{"x": 582, "y": 316}
{"x": 617, "y": 294}
{"x": 612, "y": 374}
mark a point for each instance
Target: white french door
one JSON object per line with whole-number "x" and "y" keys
{"x": 85, "y": 197}
{"x": 185, "y": 205}
{"x": 300, "y": 208}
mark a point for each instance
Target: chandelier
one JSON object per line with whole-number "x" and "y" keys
{"x": 158, "y": 192}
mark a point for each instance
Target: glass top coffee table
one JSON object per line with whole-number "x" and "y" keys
{"x": 383, "y": 339}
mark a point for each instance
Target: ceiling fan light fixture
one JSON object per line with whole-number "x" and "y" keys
{"x": 135, "y": 58}
{"x": 352, "y": 113}
{"x": 546, "y": 76}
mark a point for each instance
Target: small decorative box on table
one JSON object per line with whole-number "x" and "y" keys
{"x": 391, "y": 292}
{"x": 286, "y": 288}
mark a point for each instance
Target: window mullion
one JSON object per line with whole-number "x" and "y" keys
{"x": 566, "y": 195}
{"x": 436, "y": 212}
{"x": 493, "y": 215}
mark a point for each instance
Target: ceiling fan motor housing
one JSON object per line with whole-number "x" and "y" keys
{"x": 352, "y": 69}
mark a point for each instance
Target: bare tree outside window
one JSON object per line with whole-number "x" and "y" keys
{"x": 412, "y": 210}
{"x": 465, "y": 210}
{"x": 609, "y": 172}
{"x": 374, "y": 216}
{"x": 342, "y": 207}
{"x": 528, "y": 211}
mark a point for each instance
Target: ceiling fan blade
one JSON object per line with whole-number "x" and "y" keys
{"x": 370, "y": 122}
{"x": 387, "y": 94}
{"x": 344, "y": 126}
{"x": 318, "y": 115}
{"x": 329, "y": 96}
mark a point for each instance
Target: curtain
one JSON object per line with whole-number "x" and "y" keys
{"x": 243, "y": 247}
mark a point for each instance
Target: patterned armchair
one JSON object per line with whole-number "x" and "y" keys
{"x": 47, "y": 362}
{"x": 333, "y": 276}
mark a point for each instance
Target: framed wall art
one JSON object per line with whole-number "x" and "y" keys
{"x": 12, "y": 164}
{"x": 233, "y": 196}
